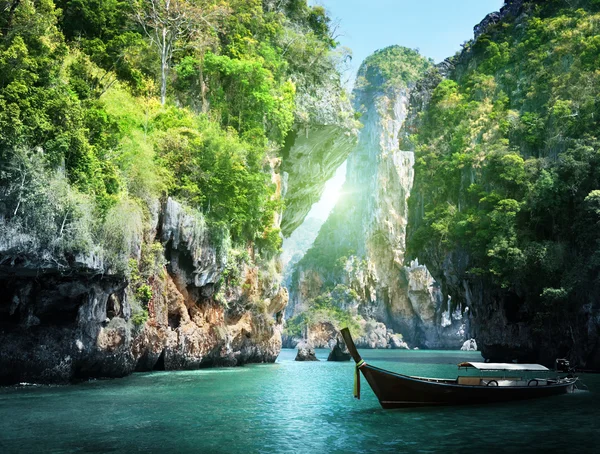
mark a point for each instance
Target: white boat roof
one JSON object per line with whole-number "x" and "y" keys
{"x": 504, "y": 366}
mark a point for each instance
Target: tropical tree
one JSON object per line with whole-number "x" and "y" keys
{"x": 171, "y": 25}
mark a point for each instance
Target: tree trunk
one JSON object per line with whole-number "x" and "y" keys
{"x": 203, "y": 91}
{"x": 11, "y": 13}
{"x": 163, "y": 67}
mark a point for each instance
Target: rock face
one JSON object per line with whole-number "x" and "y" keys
{"x": 63, "y": 324}
{"x": 55, "y": 327}
{"x": 366, "y": 232}
{"x": 318, "y": 335}
{"x": 378, "y": 336}
{"x": 510, "y": 8}
{"x": 339, "y": 352}
{"x": 469, "y": 345}
{"x": 306, "y": 353}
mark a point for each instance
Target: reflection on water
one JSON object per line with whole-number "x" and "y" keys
{"x": 286, "y": 407}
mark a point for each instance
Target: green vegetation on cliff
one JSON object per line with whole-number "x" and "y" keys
{"x": 107, "y": 107}
{"x": 508, "y": 160}
{"x": 326, "y": 309}
{"x": 391, "y": 67}
{"x": 338, "y": 253}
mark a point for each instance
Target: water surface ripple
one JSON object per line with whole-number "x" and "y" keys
{"x": 286, "y": 407}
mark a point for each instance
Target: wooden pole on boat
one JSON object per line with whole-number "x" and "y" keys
{"x": 350, "y": 344}
{"x": 359, "y": 361}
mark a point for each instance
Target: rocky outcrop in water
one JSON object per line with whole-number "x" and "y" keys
{"x": 55, "y": 327}
{"x": 469, "y": 345}
{"x": 67, "y": 323}
{"x": 339, "y": 352}
{"x": 306, "y": 352}
{"x": 378, "y": 336}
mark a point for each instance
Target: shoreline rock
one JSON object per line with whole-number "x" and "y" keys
{"x": 71, "y": 324}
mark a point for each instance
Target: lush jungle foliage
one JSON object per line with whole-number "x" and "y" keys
{"x": 392, "y": 67}
{"x": 88, "y": 142}
{"x": 508, "y": 158}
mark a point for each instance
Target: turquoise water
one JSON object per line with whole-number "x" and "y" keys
{"x": 286, "y": 407}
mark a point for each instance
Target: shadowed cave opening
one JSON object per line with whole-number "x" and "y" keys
{"x": 512, "y": 306}
{"x": 160, "y": 362}
{"x": 113, "y": 307}
{"x": 174, "y": 320}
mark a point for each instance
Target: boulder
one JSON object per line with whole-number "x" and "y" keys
{"x": 306, "y": 353}
{"x": 396, "y": 342}
{"x": 375, "y": 337}
{"x": 469, "y": 345}
{"x": 339, "y": 352}
{"x": 379, "y": 336}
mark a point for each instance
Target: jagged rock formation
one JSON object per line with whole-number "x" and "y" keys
{"x": 378, "y": 336}
{"x": 510, "y": 8}
{"x": 54, "y": 326}
{"x": 306, "y": 353}
{"x": 361, "y": 246}
{"x": 62, "y": 324}
{"x": 469, "y": 345}
{"x": 339, "y": 352}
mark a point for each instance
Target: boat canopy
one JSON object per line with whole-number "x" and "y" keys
{"x": 504, "y": 366}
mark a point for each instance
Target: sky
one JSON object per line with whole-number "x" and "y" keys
{"x": 436, "y": 27}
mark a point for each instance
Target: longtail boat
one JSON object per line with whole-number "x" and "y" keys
{"x": 497, "y": 382}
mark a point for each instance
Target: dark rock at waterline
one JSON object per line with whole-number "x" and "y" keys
{"x": 306, "y": 353}
{"x": 51, "y": 327}
{"x": 339, "y": 352}
{"x": 291, "y": 341}
{"x": 64, "y": 321}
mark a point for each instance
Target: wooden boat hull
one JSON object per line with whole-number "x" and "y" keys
{"x": 401, "y": 391}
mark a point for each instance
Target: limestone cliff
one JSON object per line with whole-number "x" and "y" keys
{"x": 358, "y": 257}
{"x": 60, "y": 323}
{"x": 528, "y": 275}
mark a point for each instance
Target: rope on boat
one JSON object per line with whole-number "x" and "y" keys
{"x": 360, "y": 364}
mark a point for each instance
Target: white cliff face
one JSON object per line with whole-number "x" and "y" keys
{"x": 402, "y": 297}
{"x": 371, "y": 221}
{"x": 409, "y": 299}
{"x": 186, "y": 233}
